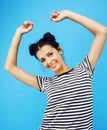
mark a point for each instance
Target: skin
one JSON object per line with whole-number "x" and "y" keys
{"x": 54, "y": 63}
{"x": 52, "y": 59}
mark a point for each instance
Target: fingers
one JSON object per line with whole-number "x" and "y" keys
{"x": 26, "y": 24}
{"x": 54, "y": 15}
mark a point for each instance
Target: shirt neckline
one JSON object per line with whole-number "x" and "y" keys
{"x": 64, "y": 73}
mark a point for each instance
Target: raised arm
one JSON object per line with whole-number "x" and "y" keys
{"x": 11, "y": 61}
{"x": 99, "y": 31}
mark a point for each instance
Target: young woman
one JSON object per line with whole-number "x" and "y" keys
{"x": 69, "y": 92}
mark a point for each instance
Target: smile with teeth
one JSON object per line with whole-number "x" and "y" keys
{"x": 53, "y": 65}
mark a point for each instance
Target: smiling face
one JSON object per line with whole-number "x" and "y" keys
{"x": 51, "y": 58}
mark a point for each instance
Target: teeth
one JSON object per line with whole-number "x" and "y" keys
{"x": 52, "y": 65}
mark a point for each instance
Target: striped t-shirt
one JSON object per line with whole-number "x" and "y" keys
{"x": 69, "y": 99}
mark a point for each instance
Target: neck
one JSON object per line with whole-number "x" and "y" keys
{"x": 62, "y": 70}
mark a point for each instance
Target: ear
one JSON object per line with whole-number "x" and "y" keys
{"x": 60, "y": 50}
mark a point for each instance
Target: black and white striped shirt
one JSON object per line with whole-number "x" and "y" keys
{"x": 69, "y": 98}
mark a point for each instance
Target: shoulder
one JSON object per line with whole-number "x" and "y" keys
{"x": 43, "y": 82}
{"x": 85, "y": 65}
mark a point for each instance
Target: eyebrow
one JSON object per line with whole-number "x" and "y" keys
{"x": 42, "y": 58}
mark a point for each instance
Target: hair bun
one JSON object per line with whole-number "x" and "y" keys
{"x": 32, "y": 49}
{"x": 48, "y": 37}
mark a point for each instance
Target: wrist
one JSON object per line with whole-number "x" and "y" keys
{"x": 68, "y": 13}
{"x": 18, "y": 32}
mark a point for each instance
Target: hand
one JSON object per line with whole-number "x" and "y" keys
{"x": 26, "y": 27}
{"x": 58, "y": 16}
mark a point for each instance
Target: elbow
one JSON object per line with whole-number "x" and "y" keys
{"x": 104, "y": 31}
{"x": 7, "y": 68}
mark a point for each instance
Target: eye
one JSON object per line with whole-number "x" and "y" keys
{"x": 50, "y": 54}
{"x": 42, "y": 60}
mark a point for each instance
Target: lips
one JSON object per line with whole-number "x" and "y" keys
{"x": 53, "y": 65}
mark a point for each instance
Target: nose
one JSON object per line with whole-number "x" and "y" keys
{"x": 49, "y": 61}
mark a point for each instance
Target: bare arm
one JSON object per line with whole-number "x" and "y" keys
{"x": 99, "y": 31}
{"x": 11, "y": 61}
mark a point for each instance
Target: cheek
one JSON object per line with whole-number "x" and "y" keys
{"x": 44, "y": 64}
{"x": 59, "y": 58}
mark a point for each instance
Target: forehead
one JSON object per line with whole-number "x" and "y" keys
{"x": 44, "y": 50}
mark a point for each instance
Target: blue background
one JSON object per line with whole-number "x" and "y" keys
{"x": 22, "y": 107}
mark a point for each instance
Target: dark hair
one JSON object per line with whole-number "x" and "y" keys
{"x": 48, "y": 39}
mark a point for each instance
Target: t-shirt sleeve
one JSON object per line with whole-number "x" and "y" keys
{"x": 87, "y": 66}
{"x": 42, "y": 83}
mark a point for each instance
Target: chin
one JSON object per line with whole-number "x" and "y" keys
{"x": 56, "y": 69}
